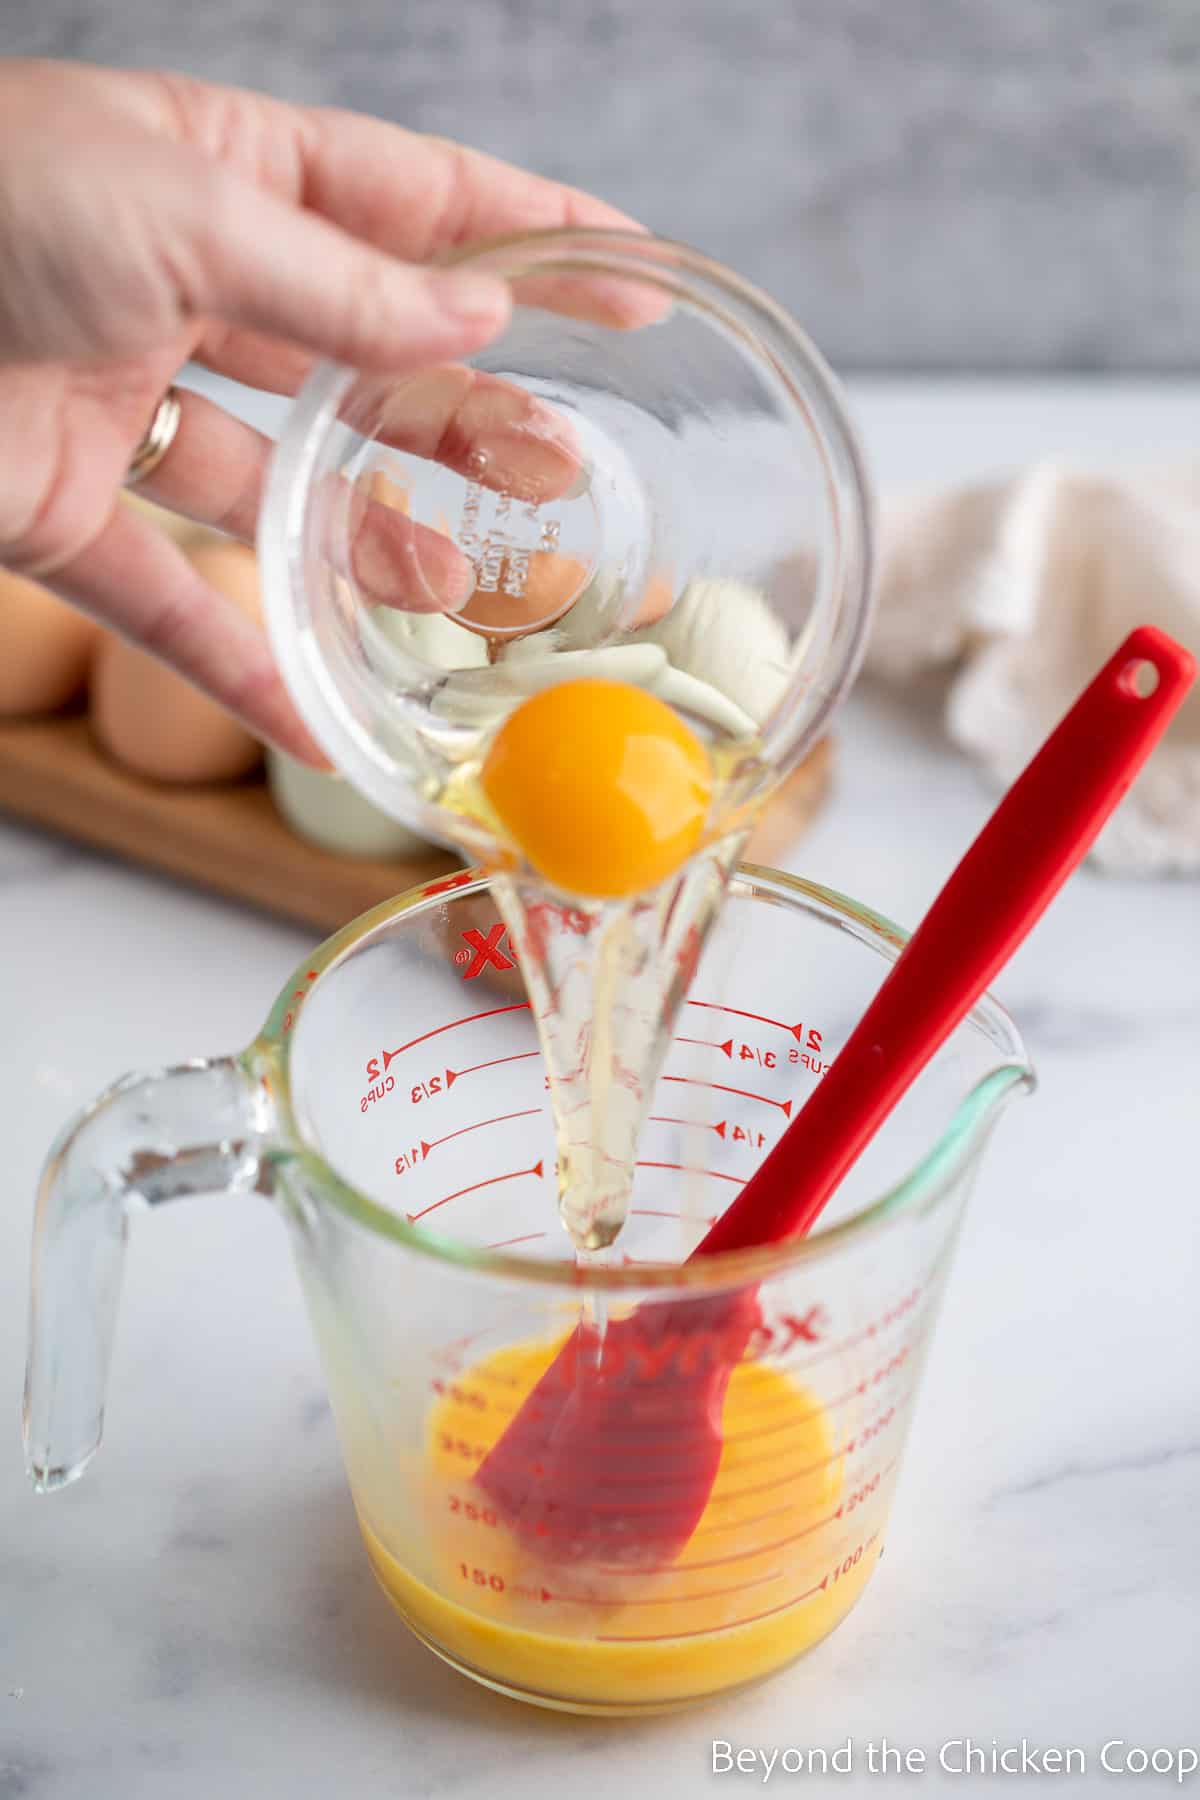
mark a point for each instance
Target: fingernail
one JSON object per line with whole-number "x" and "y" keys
{"x": 469, "y": 296}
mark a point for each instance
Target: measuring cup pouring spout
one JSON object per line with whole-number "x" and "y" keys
{"x": 394, "y": 1109}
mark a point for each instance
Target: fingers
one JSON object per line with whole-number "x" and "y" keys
{"x": 427, "y": 198}
{"x": 278, "y": 367}
{"x": 424, "y": 197}
{"x": 486, "y": 429}
{"x": 135, "y": 580}
{"x": 257, "y": 262}
{"x": 483, "y": 427}
{"x": 215, "y": 471}
{"x": 252, "y": 357}
{"x": 418, "y": 198}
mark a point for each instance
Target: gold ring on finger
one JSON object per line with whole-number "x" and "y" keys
{"x": 159, "y": 437}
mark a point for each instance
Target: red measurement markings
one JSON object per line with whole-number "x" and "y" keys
{"x": 461, "y": 1447}
{"x": 469, "y": 1397}
{"x": 737, "y": 1556}
{"x": 861, "y": 1494}
{"x": 408, "y": 1159}
{"x": 483, "y": 1577}
{"x": 492, "y": 1181}
{"x": 883, "y": 1373}
{"x": 660, "y": 1637}
{"x": 739, "y": 1051}
{"x": 806, "y": 1035}
{"x": 868, "y": 1435}
{"x": 460, "y": 1394}
{"x": 736, "y": 1012}
{"x": 449, "y": 885}
{"x": 507, "y": 1243}
{"x": 740, "y": 1135}
{"x": 870, "y": 1432}
{"x": 785, "y": 1106}
{"x": 531, "y": 1593}
{"x": 530, "y": 1112}
{"x": 622, "y": 1466}
{"x": 493, "y": 1012}
{"x": 432, "y": 1085}
{"x": 473, "y": 1514}
{"x": 786, "y": 1510}
{"x": 827, "y": 1580}
{"x": 650, "y": 1212}
{"x": 299, "y": 996}
{"x": 692, "y": 1124}
{"x": 648, "y": 1508}
{"x": 883, "y": 1323}
{"x": 795, "y": 1476}
{"x": 674, "y": 1599}
{"x": 691, "y": 1169}
{"x": 494, "y": 1378}
{"x": 733, "y": 1134}
{"x": 616, "y": 1462}
{"x": 453, "y": 1075}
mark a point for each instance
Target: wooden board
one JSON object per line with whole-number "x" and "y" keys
{"x": 229, "y": 837}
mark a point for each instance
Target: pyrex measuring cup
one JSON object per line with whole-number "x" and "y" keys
{"x": 394, "y": 1107}
{"x": 650, "y": 476}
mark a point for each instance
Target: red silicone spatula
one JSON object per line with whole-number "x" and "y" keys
{"x": 614, "y": 1452}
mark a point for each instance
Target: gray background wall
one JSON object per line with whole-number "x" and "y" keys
{"x": 994, "y": 184}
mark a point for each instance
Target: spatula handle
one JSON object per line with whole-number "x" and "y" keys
{"x": 1039, "y": 833}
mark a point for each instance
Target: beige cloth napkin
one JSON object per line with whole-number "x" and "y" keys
{"x": 1022, "y": 588}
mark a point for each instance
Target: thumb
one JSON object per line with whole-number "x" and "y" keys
{"x": 258, "y": 262}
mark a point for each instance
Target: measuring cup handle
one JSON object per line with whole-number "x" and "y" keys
{"x": 200, "y": 1128}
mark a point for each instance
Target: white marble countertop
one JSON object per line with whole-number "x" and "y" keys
{"x": 197, "y": 1618}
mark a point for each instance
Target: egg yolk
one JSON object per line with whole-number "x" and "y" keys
{"x": 601, "y": 785}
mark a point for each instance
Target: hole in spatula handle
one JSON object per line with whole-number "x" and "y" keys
{"x": 1139, "y": 678}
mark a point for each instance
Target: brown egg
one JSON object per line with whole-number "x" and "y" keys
{"x": 549, "y": 584}
{"x": 47, "y": 648}
{"x": 155, "y": 722}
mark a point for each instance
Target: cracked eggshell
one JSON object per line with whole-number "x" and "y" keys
{"x": 688, "y": 694}
{"x": 483, "y": 696}
{"x": 433, "y": 637}
{"x": 724, "y": 633}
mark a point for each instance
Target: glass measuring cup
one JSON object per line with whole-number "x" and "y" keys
{"x": 650, "y": 476}
{"x": 394, "y": 1107}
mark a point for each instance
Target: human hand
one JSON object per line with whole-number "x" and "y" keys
{"x": 149, "y": 219}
